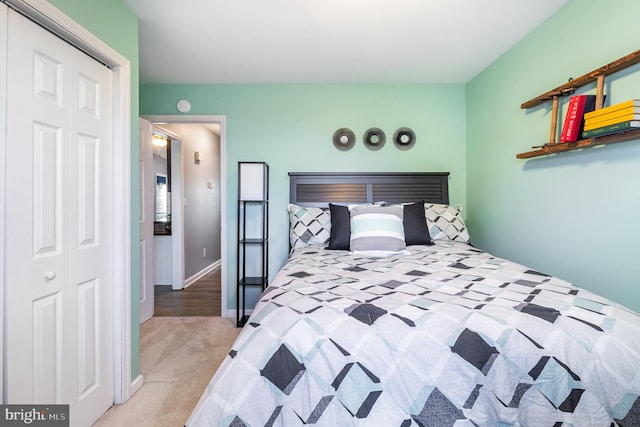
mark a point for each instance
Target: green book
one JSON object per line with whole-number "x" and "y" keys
{"x": 606, "y": 130}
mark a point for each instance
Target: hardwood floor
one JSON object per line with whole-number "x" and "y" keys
{"x": 202, "y": 298}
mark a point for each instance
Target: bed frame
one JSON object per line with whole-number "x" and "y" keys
{"x": 320, "y": 188}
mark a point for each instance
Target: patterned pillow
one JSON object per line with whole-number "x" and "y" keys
{"x": 446, "y": 223}
{"x": 377, "y": 228}
{"x": 308, "y": 226}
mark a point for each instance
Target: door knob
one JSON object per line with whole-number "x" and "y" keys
{"x": 49, "y": 275}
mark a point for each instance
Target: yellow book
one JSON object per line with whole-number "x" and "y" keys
{"x": 607, "y": 110}
{"x": 612, "y": 115}
{"x": 588, "y": 125}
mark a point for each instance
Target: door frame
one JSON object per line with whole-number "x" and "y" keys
{"x": 158, "y": 120}
{"x": 51, "y": 18}
{"x": 3, "y": 117}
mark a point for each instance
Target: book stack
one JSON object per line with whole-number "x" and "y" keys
{"x": 573, "y": 125}
{"x": 616, "y": 118}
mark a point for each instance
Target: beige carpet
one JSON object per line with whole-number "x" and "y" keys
{"x": 178, "y": 356}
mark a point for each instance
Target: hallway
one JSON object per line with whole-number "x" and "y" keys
{"x": 202, "y": 298}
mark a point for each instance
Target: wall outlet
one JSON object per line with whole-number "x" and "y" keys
{"x": 204, "y": 252}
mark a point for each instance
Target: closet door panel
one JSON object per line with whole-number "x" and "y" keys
{"x": 90, "y": 236}
{"x": 37, "y": 170}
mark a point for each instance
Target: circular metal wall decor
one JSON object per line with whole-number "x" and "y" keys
{"x": 404, "y": 138}
{"x": 344, "y": 139}
{"x": 374, "y": 138}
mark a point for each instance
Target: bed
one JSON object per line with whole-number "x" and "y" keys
{"x": 435, "y": 332}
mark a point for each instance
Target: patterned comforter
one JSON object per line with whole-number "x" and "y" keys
{"x": 448, "y": 335}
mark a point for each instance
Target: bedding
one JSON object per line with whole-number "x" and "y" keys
{"x": 444, "y": 335}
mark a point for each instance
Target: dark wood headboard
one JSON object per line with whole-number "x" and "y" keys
{"x": 320, "y": 188}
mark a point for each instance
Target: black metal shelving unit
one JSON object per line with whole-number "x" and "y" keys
{"x": 253, "y": 233}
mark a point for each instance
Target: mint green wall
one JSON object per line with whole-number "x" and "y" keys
{"x": 114, "y": 24}
{"x": 290, "y": 127}
{"x": 573, "y": 215}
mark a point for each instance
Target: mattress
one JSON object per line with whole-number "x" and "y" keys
{"x": 439, "y": 335}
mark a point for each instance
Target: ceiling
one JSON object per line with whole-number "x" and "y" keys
{"x": 329, "y": 41}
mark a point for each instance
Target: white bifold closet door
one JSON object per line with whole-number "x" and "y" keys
{"x": 58, "y": 306}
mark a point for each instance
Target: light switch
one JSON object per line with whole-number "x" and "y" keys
{"x": 210, "y": 185}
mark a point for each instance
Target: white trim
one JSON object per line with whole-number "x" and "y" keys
{"x": 43, "y": 13}
{"x": 223, "y": 187}
{"x": 223, "y": 215}
{"x": 67, "y": 29}
{"x": 231, "y": 314}
{"x": 3, "y": 118}
{"x": 177, "y": 214}
{"x": 136, "y": 384}
{"x": 200, "y": 274}
{"x": 160, "y": 129}
{"x": 122, "y": 233}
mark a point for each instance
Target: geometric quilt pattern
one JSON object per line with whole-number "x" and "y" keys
{"x": 283, "y": 369}
{"x": 447, "y": 335}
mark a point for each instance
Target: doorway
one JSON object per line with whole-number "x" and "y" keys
{"x": 197, "y": 218}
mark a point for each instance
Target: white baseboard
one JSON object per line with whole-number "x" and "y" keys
{"x": 231, "y": 314}
{"x": 136, "y": 384}
{"x": 199, "y": 275}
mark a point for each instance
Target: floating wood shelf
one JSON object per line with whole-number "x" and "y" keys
{"x": 568, "y": 88}
{"x": 583, "y": 143}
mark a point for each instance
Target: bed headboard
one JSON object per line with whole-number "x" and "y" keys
{"x": 320, "y": 188}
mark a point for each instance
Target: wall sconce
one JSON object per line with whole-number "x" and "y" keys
{"x": 197, "y": 157}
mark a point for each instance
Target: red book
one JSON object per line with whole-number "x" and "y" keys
{"x": 573, "y": 119}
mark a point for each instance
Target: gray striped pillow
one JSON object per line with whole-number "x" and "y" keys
{"x": 377, "y": 228}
